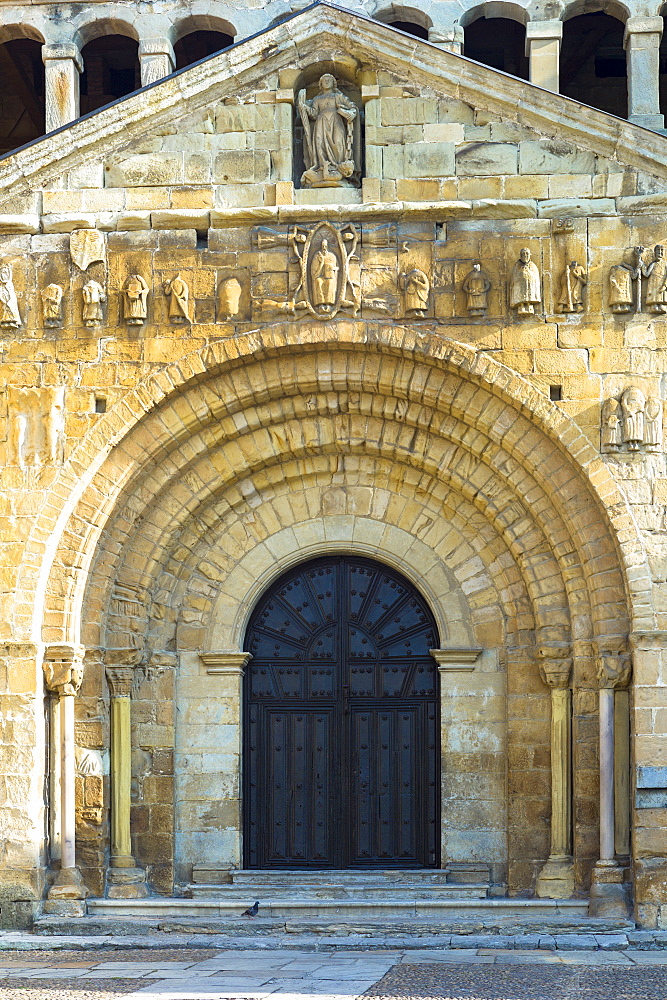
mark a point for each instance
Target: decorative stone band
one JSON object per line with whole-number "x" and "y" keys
{"x": 63, "y": 668}
{"x": 555, "y": 664}
{"x": 455, "y": 658}
{"x": 227, "y": 662}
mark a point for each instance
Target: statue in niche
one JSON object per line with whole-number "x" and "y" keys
{"x": 572, "y": 286}
{"x": 52, "y": 297}
{"x": 621, "y": 277}
{"x": 94, "y": 297}
{"x": 525, "y": 291}
{"x": 328, "y": 135}
{"x": 633, "y": 403}
{"x": 656, "y": 285}
{"x": 135, "y": 294}
{"x": 324, "y": 269}
{"x": 476, "y": 286}
{"x": 229, "y": 298}
{"x": 416, "y": 289}
{"x": 9, "y": 306}
{"x": 178, "y": 293}
{"x": 653, "y": 422}
{"x": 611, "y": 425}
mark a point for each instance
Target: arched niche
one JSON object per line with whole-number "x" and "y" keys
{"x": 593, "y": 66}
{"x": 110, "y": 56}
{"x": 411, "y": 20}
{"x": 308, "y": 86}
{"x": 495, "y": 35}
{"x": 200, "y": 36}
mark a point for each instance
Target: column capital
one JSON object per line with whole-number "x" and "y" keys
{"x": 544, "y": 29}
{"x": 449, "y": 38}
{"x": 555, "y": 664}
{"x": 63, "y": 50}
{"x": 614, "y": 668}
{"x": 157, "y": 47}
{"x": 120, "y": 681}
{"x": 63, "y": 668}
{"x": 225, "y": 661}
{"x": 455, "y": 658}
{"x": 643, "y": 26}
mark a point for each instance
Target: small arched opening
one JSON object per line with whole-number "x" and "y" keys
{"x": 111, "y": 69}
{"x": 22, "y": 74}
{"x": 497, "y": 40}
{"x": 408, "y": 19}
{"x": 201, "y": 36}
{"x": 592, "y": 62}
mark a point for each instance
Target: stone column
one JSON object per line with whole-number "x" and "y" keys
{"x": 642, "y": 45}
{"x": 62, "y": 67}
{"x": 608, "y": 888}
{"x": 63, "y": 673}
{"x": 543, "y": 39}
{"x": 157, "y": 59}
{"x": 556, "y": 879}
{"x": 450, "y": 39}
{"x": 124, "y": 879}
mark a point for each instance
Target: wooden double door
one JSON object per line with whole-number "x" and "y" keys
{"x": 341, "y": 722}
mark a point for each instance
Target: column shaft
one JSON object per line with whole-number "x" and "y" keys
{"x": 121, "y": 779}
{"x": 561, "y": 726}
{"x": 67, "y": 784}
{"x": 157, "y": 59}
{"x": 62, "y": 66}
{"x": 607, "y": 824}
{"x": 642, "y": 44}
{"x": 55, "y": 757}
{"x": 543, "y": 40}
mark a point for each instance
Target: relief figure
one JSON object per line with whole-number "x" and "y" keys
{"x": 653, "y": 422}
{"x": 633, "y": 402}
{"x": 135, "y": 294}
{"x": 656, "y": 285}
{"x": 611, "y": 425}
{"x": 525, "y": 291}
{"x": 416, "y": 290}
{"x": 621, "y": 277}
{"x": 229, "y": 297}
{"x": 9, "y": 306}
{"x": 324, "y": 270}
{"x": 178, "y": 293}
{"x": 52, "y": 296}
{"x": 572, "y": 286}
{"x": 328, "y": 131}
{"x": 476, "y": 286}
{"x": 93, "y": 298}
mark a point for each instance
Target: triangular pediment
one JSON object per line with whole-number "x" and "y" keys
{"x": 495, "y": 124}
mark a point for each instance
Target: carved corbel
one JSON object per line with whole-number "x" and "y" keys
{"x": 555, "y": 663}
{"x": 63, "y": 669}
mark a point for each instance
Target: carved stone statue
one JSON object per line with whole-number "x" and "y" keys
{"x": 9, "y": 307}
{"x": 135, "y": 294}
{"x": 656, "y": 286}
{"x": 621, "y": 277}
{"x": 611, "y": 425}
{"x": 52, "y": 297}
{"x": 525, "y": 291}
{"x": 93, "y": 298}
{"x": 178, "y": 293}
{"x": 572, "y": 286}
{"x": 476, "y": 286}
{"x": 653, "y": 422}
{"x": 416, "y": 289}
{"x": 229, "y": 298}
{"x": 324, "y": 270}
{"x": 633, "y": 402}
{"x": 328, "y": 135}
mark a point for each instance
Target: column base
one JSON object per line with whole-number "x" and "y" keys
{"x": 67, "y": 895}
{"x": 610, "y": 891}
{"x": 648, "y": 121}
{"x": 126, "y": 883}
{"x": 556, "y": 879}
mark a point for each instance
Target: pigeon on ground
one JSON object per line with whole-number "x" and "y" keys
{"x": 252, "y": 910}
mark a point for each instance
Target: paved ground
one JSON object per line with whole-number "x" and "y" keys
{"x": 211, "y": 974}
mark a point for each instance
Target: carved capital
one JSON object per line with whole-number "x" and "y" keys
{"x": 63, "y": 669}
{"x": 555, "y": 665}
{"x": 120, "y": 681}
{"x": 614, "y": 668}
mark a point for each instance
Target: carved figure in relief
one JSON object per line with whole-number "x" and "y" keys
{"x": 178, "y": 293}
{"x": 9, "y": 307}
{"x": 611, "y": 425}
{"x": 229, "y": 298}
{"x": 633, "y": 402}
{"x": 476, "y": 286}
{"x": 416, "y": 289}
{"x": 525, "y": 292}
{"x": 656, "y": 286}
{"x": 572, "y": 286}
{"x": 52, "y": 297}
{"x": 324, "y": 270}
{"x": 328, "y": 131}
{"x": 653, "y": 422}
{"x": 621, "y": 277}
{"x": 135, "y": 294}
{"x": 93, "y": 298}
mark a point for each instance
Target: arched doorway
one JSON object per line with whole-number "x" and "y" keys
{"x": 341, "y": 747}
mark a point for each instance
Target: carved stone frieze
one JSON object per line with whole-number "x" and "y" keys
{"x": 632, "y": 422}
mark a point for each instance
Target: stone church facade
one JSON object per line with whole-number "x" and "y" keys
{"x": 334, "y": 482}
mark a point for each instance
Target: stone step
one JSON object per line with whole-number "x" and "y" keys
{"x": 290, "y": 877}
{"x": 274, "y": 892}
